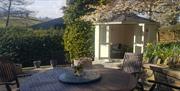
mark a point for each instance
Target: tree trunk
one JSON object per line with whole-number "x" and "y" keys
{"x": 9, "y": 11}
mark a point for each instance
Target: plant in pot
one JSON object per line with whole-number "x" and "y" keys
{"x": 37, "y": 64}
{"x": 78, "y": 68}
{"x": 173, "y": 56}
{"x": 53, "y": 60}
{"x": 18, "y": 68}
{"x": 148, "y": 53}
{"x": 174, "y": 61}
{"x": 81, "y": 64}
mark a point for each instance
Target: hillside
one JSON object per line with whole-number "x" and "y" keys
{"x": 19, "y": 22}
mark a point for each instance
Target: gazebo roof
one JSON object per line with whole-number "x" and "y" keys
{"x": 127, "y": 18}
{"x": 122, "y": 18}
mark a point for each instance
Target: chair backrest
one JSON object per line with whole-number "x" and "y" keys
{"x": 132, "y": 62}
{"x": 7, "y": 70}
{"x": 161, "y": 76}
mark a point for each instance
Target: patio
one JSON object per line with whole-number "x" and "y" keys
{"x": 42, "y": 73}
{"x": 49, "y": 81}
{"x": 30, "y": 70}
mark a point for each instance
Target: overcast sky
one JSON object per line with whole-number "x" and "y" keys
{"x": 47, "y": 8}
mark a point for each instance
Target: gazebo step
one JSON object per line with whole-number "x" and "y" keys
{"x": 115, "y": 63}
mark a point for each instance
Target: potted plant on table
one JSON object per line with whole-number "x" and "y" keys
{"x": 78, "y": 67}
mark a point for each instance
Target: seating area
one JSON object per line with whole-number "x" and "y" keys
{"x": 89, "y": 45}
{"x": 132, "y": 71}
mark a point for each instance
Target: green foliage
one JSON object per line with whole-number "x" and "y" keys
{"x": 25, "y": 46}
{"x": 78, "y": 40}
{"x": 80, "y": 8}
{"x": 162, "y": 50}
{"x": 78, "y": 36}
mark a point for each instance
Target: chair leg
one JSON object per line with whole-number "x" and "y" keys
{"x": 17, "y": 83}
{"x": 153, "y": 87}
{"x": 141, "y": 86}
{"x": 8, "y": 87}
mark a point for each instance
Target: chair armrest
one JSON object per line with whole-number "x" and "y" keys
{"x": 165, "y": 84}
{"x": 137, "y": 73}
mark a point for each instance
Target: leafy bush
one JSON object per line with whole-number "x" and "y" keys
{"x": 25, "y": 46}
{"x": 78, "y": 40}
{"x": 163, "y": 50}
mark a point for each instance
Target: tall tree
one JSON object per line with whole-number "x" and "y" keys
{"x": 14, "y": 8}
{"x": 78, "y": 36}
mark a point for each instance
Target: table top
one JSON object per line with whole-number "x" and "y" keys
{"x": 112, "y": 80}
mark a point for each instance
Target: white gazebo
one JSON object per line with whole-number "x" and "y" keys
{"x": 130, "y": 30}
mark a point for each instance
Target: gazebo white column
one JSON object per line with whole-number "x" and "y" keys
{"x": 97, "y": 29}
{"x": 138, "y": 46}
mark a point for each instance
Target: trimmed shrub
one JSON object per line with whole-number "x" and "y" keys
{"x": 25, "y": 46}
{"x": 78, "y": 40}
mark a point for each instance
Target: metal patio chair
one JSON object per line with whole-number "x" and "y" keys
{"x": 133, "y": 64}
{"x": 8, "y": 73}
{"x": 162, "y": 81}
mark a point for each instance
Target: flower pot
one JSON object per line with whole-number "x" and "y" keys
{"x": 53, "y": 63}
{"x": 76, "y": 62}
{"x": 18, "y": 68}
{"x": 37, "y": 64}
{"x": 85, "y": 62}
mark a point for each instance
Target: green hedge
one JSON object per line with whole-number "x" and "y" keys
{"x": 25, "y": 46}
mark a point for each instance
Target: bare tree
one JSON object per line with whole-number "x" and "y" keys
{"x": 14, "y": 8}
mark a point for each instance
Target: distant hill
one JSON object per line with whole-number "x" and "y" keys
{"x": 19, "y": 22}
{"x": 57, "y": 23}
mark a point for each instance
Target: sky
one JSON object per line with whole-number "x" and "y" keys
{"x": 47, "y": 8}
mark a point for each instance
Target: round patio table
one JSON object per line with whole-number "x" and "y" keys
{"x": 111, "y": 80}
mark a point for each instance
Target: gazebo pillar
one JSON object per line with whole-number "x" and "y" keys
{"x": 97, "y": 30}
{"x": 138, "y": 46}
